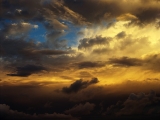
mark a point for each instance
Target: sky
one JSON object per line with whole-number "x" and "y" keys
{"x": 79, "y": 59}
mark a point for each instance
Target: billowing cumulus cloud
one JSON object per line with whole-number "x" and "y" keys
{"x": 90, "y": 42}
{"x": 81, "y": 109}
{"x": 137, "y": 104}
{"x": 9, "y": 114}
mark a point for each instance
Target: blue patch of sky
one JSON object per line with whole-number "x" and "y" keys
{"x": 3, "y": 22}
{"x": 38, "y": 34}
{"x": 71, "y": 33}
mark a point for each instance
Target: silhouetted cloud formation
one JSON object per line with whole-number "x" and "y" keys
{"x": 81, "y": 109}
{"x": 27, "y": 70}
{"x": 78, "y": 85}
{"x": 8, "y": 114}
{"x": 90, "y": 42}
{"x": 137, "y": 104}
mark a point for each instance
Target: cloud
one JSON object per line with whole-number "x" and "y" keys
{"x": 101, "y": 50}
{"x": 15, "y": 29}
{"x": 8, "y": 114}
{"x": 78, "y": 85}
{"x": 125, "y": 61}
{"x": 121, "y": 35}
{"x": 51, "y": 11}
{"x": 152, "y": 61}
{"x": 146, "y": 11}
{"x": 137, "y": 104}
{"x": 16, "y": 47}
{"x": 88, "y": 64}
{"x": 27, "y": 70}
{"x": 90, "y": 42}
{"x": 81, "y": 109}
{"x": 149, "y": 62}
{"x": 46, "y": 52}
{"x": 127, "y": 17}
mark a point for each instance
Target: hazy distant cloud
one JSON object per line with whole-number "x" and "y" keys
{"x": 127, "y": 17}
{"x": 54, "y": 42}
{"x": 85, "y": 74}
{"x": 90, "y": 42}
{"x": 102, "y": 51}
{"x": 81, "y": 109}
{"x": 152, "y": 62}
{"x": 140, "y": 104}
{"x": 15, "y": 29}
{"x": 88, "y": 64}
{"x": 27, "y": 70}
{"x": 78, "y": 85}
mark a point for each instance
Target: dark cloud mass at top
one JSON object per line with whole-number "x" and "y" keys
{"x": 145, "y": 11}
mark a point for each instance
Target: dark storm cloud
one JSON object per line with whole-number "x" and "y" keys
{"x": 48, "y": 11}
{"x": 8, "y": 114}
{"x": 36, "y": 99}
{"x": 12, "y": 49}
{"x": 146, "y": 11}
{"x": 27, "y": 70}
{"x": 87, "y": 64}
{"x": 78, "y": 85}
{"x": 149, "y": 15}
{"x": 81, "y": 109}
{"x": 46, "y": 52}
{"x": 137, "y": 104}
{"x": 125, "y": 61}
{"x": 90, "y": 42}
{"x": 92, "y": 10}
